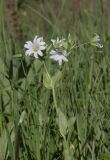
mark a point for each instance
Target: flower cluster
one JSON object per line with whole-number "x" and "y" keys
{"x": 37, "y": 47}
{"x": 58, "y": 51}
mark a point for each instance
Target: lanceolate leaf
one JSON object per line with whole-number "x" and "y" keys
{"x": 47, "y": 81}
{"x": 56, "y": 78}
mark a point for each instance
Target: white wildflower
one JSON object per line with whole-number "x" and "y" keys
{"x": 99, "y": 45}
{"x": 59, "y": 56}
{"x": 58, "y": 42}
{"x": 35, "y": 48}
{"x": 95, "y": 41}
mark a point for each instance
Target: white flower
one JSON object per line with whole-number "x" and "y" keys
{"x": 58, "y": 42}
{"x": 35, "y": 48}
{"x": 99, "y": 45}
{"x": 59, "y": 56}
{"x": 95, "y": 41}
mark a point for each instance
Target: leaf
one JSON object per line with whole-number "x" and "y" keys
{"x": 51, "y": 82}
{"x": 56, "y": 78}
{"x": 71, "y": 122}
{"x": 62, "y": 122}
{"x": 47, "y": 81}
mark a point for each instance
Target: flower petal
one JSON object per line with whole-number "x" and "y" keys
{"x": 55, "y": 57}
{"x": 65, "y": 53}
{"x": 28, "y": 45}
{"x": 35, "y": 39}
{"x": 39, "y": 40}
{"x": 60, "y": 62}
{"x": 28, "y": 52}
{"x": 64, "y": 59}
{"x": 53, "y": 52}
{"x": 42, "y": 47}
{"x": 35, "y": 55}
{"x": 40, "y": 53}
{"x": 42, "y": 43}
{"x": 99, "y": 45}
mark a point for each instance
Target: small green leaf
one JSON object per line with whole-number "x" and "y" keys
{"x": 47, "y": 81}
{"x": 56, "y": 78}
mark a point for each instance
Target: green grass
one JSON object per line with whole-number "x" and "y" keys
{"x": 82, "y": 94}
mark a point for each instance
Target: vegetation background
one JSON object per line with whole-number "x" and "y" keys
{"x": 29, "y": 128}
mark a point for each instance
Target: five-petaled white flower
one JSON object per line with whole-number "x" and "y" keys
{"x": 59, "y": 56}
{"x": 95, "y": 41}
{"x": 35, "y": 48}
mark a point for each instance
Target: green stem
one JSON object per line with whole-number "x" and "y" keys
{"x": 54, "y": 98}
{"x": 78, "y": 46}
